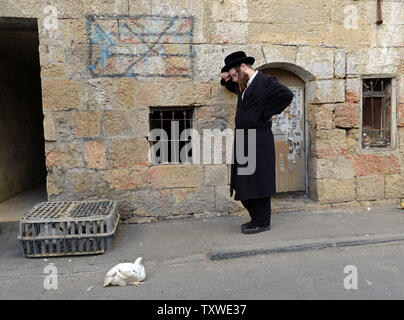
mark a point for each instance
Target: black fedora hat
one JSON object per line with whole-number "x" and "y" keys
{"x": 235, "y": 59}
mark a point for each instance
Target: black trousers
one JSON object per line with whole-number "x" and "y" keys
{"x": 259, "y": 210}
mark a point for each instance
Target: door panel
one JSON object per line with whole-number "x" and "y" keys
{"x": 288, "y": 130}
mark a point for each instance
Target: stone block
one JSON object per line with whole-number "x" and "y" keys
{"x": 400, "y": 90}
{"x": 189, "y": 8}
{"x": 175, "y": 66}
{"x": 401, "y": 140}
{"x": 317, "y": 61}
{"x": 321, "y": 116}
{"x": 114, "y": 93}
{"x": 127, "y": 152}
{"x": 353, "y": 89}
{"x": 86, "y": 185}
{"x": 216, "y": 175}
{"x": 137, "y": 7}
{"x": 277, "y": 53}
{"x": 51, "y": 55}
{"x": 352, "y": 63}
{"x": 229, "y": 10}
{"x": 347, "y": 115}
{"x": 104, "y": 7}
{"x": 339, "y": 64}
{"x": 49, "y": 128}
{"x": 295, "y": 11}
{"x": 332, "y": 190}
{"x": 126, "y": 179}
{"x": 370, "y": 187}
{"x": 394, "y": 186}
{"x": 86, "y": 124}
{"x": 225, "y": 203}
{"x": 147, "y": 203}
{"x": 64, "y": 156}
{"x": 138, "y": 122}
{"x": 122, "y": 91}
{"x": 389, "y": 35}
{"x": 370, "y": 164}
{"x": 74, "y": 32}
{"x": 400, "y": 115}
{"x": 54, "y": 185}
{"x": 374, "y": 61}
{"x": 176, "y": 176}
{"x": 354, "y": 39}
{"x": 67, "y": 10}
{"x": 114, "y": 122}
{"x": 53, "y": 71}
{"x": 326, "y": 91}
{"x": 193, "y": 200}
{"x": 353, "y": 140}
{"x": 326, "y": 143}
{"x": 64, "y": 124}
{"x": 289, "y": 33}
{"x": 392, "y": 12}
{"x": 204, "y": 113}
{"x": 60, "y": 94}
{"x": 172, "y": 94}
{"x": 229, "y": 33}
{"x": 222, "y": 97}
{"x": 94, "y": 155}
{"x": 36, "y": 9}
{"x": 365, "y": 10}
{"x": 331, "y": 168}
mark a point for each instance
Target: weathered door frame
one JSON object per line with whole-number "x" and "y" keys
{"x": 306, "y": 77}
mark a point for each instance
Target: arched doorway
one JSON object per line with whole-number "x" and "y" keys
{"x": 289, "y": 134}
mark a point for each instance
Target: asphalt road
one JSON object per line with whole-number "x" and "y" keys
{"x": 296, "y": 275}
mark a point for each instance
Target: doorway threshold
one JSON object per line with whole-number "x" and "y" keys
{"x": 293, "y": 201}
{"x": 11, "y": 210}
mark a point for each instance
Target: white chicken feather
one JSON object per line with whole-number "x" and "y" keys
{"x": 126, "y": 273}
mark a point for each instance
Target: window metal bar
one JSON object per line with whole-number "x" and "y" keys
{"x": 371, "y": 103}
{"x": 167, "y": 116}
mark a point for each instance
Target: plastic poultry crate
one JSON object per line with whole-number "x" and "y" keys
{"x": 68, "y": 228}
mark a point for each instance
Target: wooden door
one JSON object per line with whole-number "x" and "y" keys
{"x": 288, "y": 129}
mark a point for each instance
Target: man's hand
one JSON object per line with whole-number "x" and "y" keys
{"x": 225, "y": 76}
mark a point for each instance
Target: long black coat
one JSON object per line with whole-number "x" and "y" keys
{"x": 264, "y": 98}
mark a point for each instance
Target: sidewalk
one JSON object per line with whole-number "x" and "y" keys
{"x": 218, "y": 238}
{"x": 184, "y": 258}
{"x": 221, "y": 238}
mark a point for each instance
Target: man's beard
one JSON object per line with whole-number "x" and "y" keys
{"x": 242, "y": 80}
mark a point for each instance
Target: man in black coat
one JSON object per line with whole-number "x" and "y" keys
{"x": 259, "y": 98}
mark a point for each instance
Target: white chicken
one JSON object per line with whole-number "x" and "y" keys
{"x": 126, "y": 273}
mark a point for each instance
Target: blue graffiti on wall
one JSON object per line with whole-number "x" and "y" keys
{"x": 144, "y": 45}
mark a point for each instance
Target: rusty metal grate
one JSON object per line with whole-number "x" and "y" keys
{"x": 74, "y": 209}
{"x": 68, "y": 228}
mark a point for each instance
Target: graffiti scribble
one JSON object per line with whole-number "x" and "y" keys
{"x": 141, "y": 46}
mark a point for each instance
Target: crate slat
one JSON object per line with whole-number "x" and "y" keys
{"x": 68, "y": 228}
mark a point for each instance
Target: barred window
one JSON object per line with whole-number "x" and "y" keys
{"x": 166, "y": 126}
{"x": 377, "y": 113}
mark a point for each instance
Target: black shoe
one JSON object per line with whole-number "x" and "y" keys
{"x": 248, "y": 224}
{"x": 250, "y": 229}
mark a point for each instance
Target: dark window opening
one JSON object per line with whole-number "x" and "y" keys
{"x": 169, "y": 142}
{"x": 376, "y": 113}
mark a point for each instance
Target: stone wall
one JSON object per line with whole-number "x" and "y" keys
{"x": 104, "y": 63}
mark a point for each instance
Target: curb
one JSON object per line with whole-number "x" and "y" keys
{"x": 224, "y": 254}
